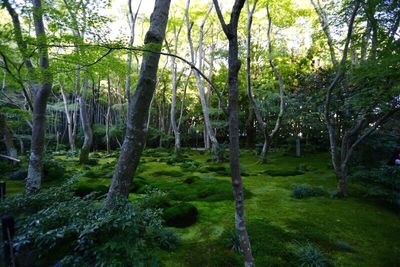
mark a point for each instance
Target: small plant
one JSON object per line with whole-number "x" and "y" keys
{"x": 309, "y": 255}
{"x": 304, "y": 191}
{"x": 344, "y": 246}
{"x": 232, "y": 242}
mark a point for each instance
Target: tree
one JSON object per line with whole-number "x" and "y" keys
{"x": 359, "y": 117}
{"x": 234, "y": 63}
{"x": 41, "y": 90}
{"x": 198, "y": 61}
{"x": 138, "y": 108}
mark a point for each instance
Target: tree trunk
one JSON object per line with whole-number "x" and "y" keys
{"x": 215, "y": 149}
{"x": 139, "y": 105}
{"x": 298, "y": 146}
{"x": 34, "y": 179}
{"x": 108, "y": 114}
{"x": 234, "y": 67}
{"x": 175, "y": 127}
{"x": 85, "y": 122}
{"x": 132, "y": 23}
{"x": 7, "y": 137}
{"x": 342, "y": 190}
{"x": 71, "y": 137}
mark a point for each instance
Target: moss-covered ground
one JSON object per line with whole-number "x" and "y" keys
{"x": 350, "y": 232}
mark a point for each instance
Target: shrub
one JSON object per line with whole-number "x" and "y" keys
{"x": 304, "y": 191}
{"x": 310, "y": 255}
{"x": 53, "y": 170}
{"x": 180, "y": 215}
{"x": 78, "y": 231}
{"x": 381, "y": 183}
{"x": 155, "y": 198}
{"x": 83, "y": 188}
{"x": 18, "y": 175}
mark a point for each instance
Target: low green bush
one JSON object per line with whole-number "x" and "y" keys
{"x": 180, "y": 215}
{"x": 72, "y": 231}
{"x": 18, "y": 175}
{"x": 304, "y": 191}
{"x": 52, "y": 170}
{"x": 381, "y": 183}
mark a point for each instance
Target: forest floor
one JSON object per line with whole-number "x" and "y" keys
{"x": 349, "y": 232}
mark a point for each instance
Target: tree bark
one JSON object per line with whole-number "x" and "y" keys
{"x": 132, "y": 23}
{"x": 7, "y": 137}
{"x": 33, "y": 181}
{"x": 85, "y": 122}
{"x": 108, "y": 114}
{"x": 71, "y": 136}
{"x": 139, "y": 105}
{"x": 175, "y": 127}
{"x": 234, "y": 63}
{"x": 215, "y": 148}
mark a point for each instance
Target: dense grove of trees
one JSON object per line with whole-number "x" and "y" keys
{"x": 219, "y": 75}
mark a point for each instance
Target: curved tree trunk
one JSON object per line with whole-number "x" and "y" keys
{"x": 139, "y": 105}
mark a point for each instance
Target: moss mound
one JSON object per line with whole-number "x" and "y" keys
{"x": 180, "y": 215}
{"x": 283, "y": 172}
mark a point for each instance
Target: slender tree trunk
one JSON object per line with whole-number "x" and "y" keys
{"x": 108, "y": 114}
{"x": 234, "y": 63}
{"x": 132, "y": 23}
{"x": 175, "y": 127}
{"x": 216, "y": 151}
{"x": 85, "y": 122}
{"x": 71, "y": 137}
{"x": 139, "y": 105}
{"x": 298, "y": 146}
{"x": 7, "y": 137}
{"x": 33, "y": 181}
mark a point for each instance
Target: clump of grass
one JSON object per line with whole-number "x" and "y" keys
{"x": 344, "y": 246}
{"x": 305, "y": 191}
{"x": 309, "y": 255}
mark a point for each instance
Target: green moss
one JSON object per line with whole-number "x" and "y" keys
{"x": 283, "y": 172}
{"x": 180, "y": 215}
{"x": 170, "y": 173}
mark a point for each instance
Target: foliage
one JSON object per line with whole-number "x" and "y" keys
{"x": 82, "y": 231}
{"x": 310, "y": 255}
{"x": 305, "y": 191}
{"x": 381, "y": 183}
